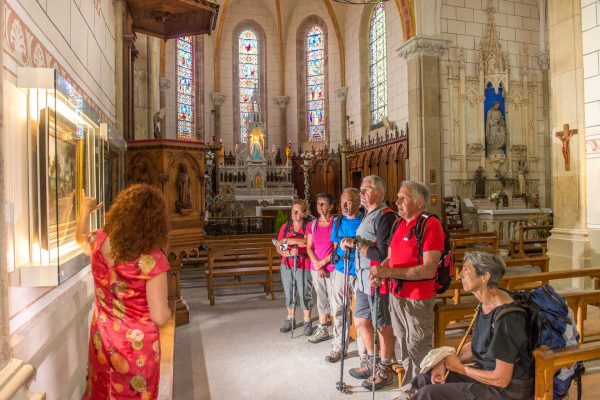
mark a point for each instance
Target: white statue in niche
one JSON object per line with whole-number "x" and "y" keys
{"x": 495, "y": 130}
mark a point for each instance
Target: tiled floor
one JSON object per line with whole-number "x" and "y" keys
{"x": 234, "y": 350}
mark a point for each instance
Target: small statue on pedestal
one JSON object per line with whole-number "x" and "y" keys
{"x": 184, "y": 185}
{"x": 288, "y": 154}
{"x": 480, "y": 183}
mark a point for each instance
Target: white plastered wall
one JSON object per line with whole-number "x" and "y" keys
{"x": 49, "y": 326}
{"x": 590, "y": 24}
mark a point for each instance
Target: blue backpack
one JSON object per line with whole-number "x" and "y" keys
{"x": 549, "y": 324}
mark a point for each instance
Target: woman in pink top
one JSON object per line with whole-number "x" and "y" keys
{"x": 319, "y": 247}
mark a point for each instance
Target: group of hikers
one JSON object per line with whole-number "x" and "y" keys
{"x": 389, "y": 262}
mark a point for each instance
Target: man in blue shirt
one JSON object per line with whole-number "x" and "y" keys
{"x": 344, "y": 226}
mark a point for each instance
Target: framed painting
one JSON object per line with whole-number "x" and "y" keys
{"x": 61, "y": 178}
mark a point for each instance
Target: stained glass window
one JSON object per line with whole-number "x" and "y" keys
{"x": 378, "y": 63}
{"x": 185, "y": 88}
{"x": 249, "y": 79}
{"x": 315, "y": 84}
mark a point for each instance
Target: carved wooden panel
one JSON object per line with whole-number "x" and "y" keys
{"x": 159, "y": 163}
{"x": 386, "y": 159}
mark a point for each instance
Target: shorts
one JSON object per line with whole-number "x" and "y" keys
{"x": 364, "y": 303}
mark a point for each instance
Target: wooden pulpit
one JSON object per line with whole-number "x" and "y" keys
{"x": 177, "y": 168}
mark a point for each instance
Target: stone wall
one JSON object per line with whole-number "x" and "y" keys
{"x": 464, "y": 23}
{"x": 49, "y": 326}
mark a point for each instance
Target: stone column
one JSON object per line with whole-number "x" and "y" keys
{"x": 164, "y": 85}
{"x": 569, "y": 245}
{"x": 342, "y": 95}
{"x": 153, "y": 60}
{"x": 422, "y": 56}
{"x": 217, "y": 99}
{"x": 282, "y": 102}
{"x": 119, "y": 15}
{"x": 544, "y": 63}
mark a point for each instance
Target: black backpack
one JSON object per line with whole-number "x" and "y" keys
{"x": 290, "y": 223}
{"x": 549, "y": 324}
{"x": 445, "y": 270}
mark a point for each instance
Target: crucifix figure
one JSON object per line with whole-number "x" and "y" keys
{"x": 565, "y": 136}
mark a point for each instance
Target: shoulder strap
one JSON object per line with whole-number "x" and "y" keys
{"x": 312, "y": 226}
{"x": 506, "y": 310}
{"x": 287, "y": 228}
{"x": 338, "y": 223}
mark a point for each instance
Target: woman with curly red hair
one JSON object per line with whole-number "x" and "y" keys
{"x": 129, "y": 269}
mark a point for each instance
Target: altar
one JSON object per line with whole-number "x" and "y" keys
{"x": 255, "y": 179}
{"x": 506, "y": 221}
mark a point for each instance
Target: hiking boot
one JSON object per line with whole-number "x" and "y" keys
{"x": 286, "y": 327}
{"x": 364, "y": 371}
{"x": 333, "y": 356}
{"x": 320, "y": 334}
{"x": 383, "y": 377}
{"x": 308, "y": 328}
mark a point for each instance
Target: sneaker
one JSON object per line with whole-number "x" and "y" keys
{"x": 308, "y": 328}
{"x": 364, "y": 371}
{"x": 383, "y": 377}
{"x": 287, "y": 326}
{"x": 320, "y": 334}
{"x": 333, "y": 356}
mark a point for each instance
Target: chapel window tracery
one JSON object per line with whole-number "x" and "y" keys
{"x": 315, "y": 83}
{"x": 378, "y": 66}
{"x": 185, "y": 88}
{"x": 249, "y": 79}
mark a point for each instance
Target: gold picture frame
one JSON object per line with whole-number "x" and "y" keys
{"x": 61, "y": 178}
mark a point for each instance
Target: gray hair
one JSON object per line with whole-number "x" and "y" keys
{"x": 418, "y": 190}
{"x": 377, "y": 182}
{"x": 354, "y": 192}
{"x": 484, "y": 262}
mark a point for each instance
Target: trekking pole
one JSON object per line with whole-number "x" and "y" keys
{"x": 375, "y": 310}
{"x": 341, "y": 386}
{"x": 294, "y": 293}
{"x": 464, "y": 339}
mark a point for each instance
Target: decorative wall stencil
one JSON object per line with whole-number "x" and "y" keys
{"x": 28, "y": 51}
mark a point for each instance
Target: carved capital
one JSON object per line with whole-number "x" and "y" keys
{"x": 474, "y": 148}
{"x": 519, "y": 149}
{"x": 282, "y": 101}
{"x": 420, "y": 45}
{"x": 164, "y": 83}
{"x": 543, "y": 60}
{"x": 217, "y": 98}
{"x": 342, "y": 93}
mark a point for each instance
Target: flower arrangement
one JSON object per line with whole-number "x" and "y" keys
{"x": 497, "y": 197}
{"x": 504, "y": 179}
{"x": 215, "y": 204}
{"x": 210, "y": 155}
{"x": 527, "y": 198}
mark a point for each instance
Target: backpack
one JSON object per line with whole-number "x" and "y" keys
{"x": 290, "y": 223}
{"x": 550, "y": 323}
{"x": 445, "y": 270}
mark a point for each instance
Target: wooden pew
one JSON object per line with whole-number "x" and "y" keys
{"x": 526, "y": 245}
{"x": 489, "y": 244}
{"x": 548, "y": 361}
{"x": 225, "y": 263}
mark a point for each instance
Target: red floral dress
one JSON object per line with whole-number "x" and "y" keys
{"x": 124, "y": 349}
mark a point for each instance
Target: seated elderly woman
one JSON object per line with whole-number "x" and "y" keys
{"x": 496, "y": 363}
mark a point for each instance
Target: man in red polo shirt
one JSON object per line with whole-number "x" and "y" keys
{"x": 412, "y": 287}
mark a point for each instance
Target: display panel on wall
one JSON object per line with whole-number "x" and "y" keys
{"x": 67, "y": 155}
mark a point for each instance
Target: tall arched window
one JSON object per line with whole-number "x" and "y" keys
{"x": 185, "y": 88}
{"x": 315, "y": 83}
{"x": 378, "y": 66}
{"x": 248, "y": 59}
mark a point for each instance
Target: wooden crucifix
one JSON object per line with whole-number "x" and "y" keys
{"x": 565, "y": 136}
